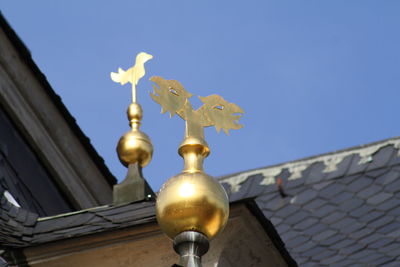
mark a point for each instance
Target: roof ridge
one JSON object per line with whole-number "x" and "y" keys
{"x": 357, "y": 147}
{"x": 331, "y": 160}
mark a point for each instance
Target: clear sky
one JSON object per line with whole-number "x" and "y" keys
{"x": 312, "y": 76}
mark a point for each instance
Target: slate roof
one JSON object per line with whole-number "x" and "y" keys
{"x": 337, "y": 209}
{"x": 20, "y": 228}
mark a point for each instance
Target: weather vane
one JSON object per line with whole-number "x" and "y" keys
{"x": 215, "y": 110}
{"x": 133, "y": 74}
{"x": 192, "y": 207}
{"x": 134, "y": 148}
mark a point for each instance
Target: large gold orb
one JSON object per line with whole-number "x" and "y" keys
{"x": 192, "y": 202}
{"x": 135, "y": 146}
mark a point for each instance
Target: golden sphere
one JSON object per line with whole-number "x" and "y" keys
{"x": 135, "y": 146}
{"x": 134, "y": 112}
{"x": 192, "y": 202}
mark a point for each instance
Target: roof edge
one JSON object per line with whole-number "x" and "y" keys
{"x": 347, "y": 151}
{"x": 26, "y": 57}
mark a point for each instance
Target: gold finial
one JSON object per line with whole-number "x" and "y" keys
{"x": 134, "y": 146}
{"x": 193, "y": 200}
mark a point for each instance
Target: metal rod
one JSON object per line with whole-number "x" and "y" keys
{"x": 191, "y": 245}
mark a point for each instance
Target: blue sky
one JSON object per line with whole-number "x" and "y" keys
{"x": 311, "y": 76}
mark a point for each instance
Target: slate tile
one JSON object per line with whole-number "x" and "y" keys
{"x": 361, "y": 233}
{"x": 389, "y": 204}
{"x": 313, "y": 251}
{"x": 321, "y": 185}
{"x": 350, "y": 250}
{"x": 396, "y": 168}
{"x": 315, "y": 229}
{"x": 287, "y": 211}
{"x": 282, "y": 228}
{"x": 395, "y": 211}
{"x": 393, "y": 187}
{"x": 379, "y": 198}
{"x": 304, "y": 247}
{"x": 287, "y": 236}
{"x": 341, "y": 168}
{"x": 343, "y": 244}
{"x": 301, "y": 260}
{"x": 276, "y": 203}
{"x": 306, "y": 223}
{"x": 295, "y": 183}
{"x": 395, "y": 160}
{"x": 310, "y": 264}
{"x": 361, "y": 211}
{"x": 31, "y": 219}
{"x": 394, "y": 234}
{"x": 370, "y": 239}
{"x": 369, "y": 191}
{"x": 345, "y": 263}
{"x": 297, "y": 217}
{"x": 13, "y": 211}
{"x": 276, "y": 221}
{"x": 351, "y": 204}
{"x": 343, "y": 196}
{"x": 330, "y": 191}
{"x": 255, "y": 187}
{"x": 333, "y": 217}
{"x": 345, "y": 180}
{"x": 267, "y": 213}
{"x": 388, "y": 177}
{"x": 314, "y": 204}
{"x": 395, "y": 251}
{"x": 390, "y": 247}
{"x": 332, "y": 240}
{"x": 298, "y": 241}
{"x": 355, "y": 167}
{"x": 324, "y": 235}
{"x": 359, "y": 184}
{"x": 304, "y": 197}
{"x": 389, "y": 228}
{"x": 369, "y": 217}
{"x": 323, "y": 211}
{"x": 345, "y": 222}
{"x": 381, "y": 222}
{"x": 314, "y": 173}
{"x": 352, "y": 228}
{"x": 380, "y": 261}
{"x": 377, "y": 172}
{"x": 370, "y": 257}
{"x": 334, "y": 259}
{"x": 324, "y": 254}
{"x": 380, "y": 243}
{"x": 382, "y": 157}
{"x": 391, "y": 264}
{"x": 265, "y": 198}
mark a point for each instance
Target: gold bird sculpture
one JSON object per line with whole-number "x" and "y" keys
{"x": 133, "y": 74}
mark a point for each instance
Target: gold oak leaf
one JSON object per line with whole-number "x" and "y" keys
{"x": 170, "y": 94}
{"x": 220, "y": 113}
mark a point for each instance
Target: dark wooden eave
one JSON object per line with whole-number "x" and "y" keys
{"x": 26, "y": 57}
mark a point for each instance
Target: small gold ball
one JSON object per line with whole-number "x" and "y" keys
{"x": 134, "y": 112}
{"x": 135, "y": 146}
{"x": 192, "y": 202}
